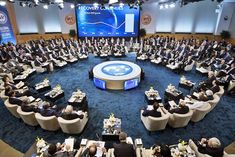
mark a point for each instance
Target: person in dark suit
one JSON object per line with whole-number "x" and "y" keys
{"x": 15, "y": 100}
{"x": 211, "y": 147}
{"x": 123, "y": 149}
{"x": 211, "y": 78}
{"x": 28, "y": 108}
{"x": 153, "y": 112}
{"x": 205, "y": 95}
{"x": 161, "y": 150}
{"x": 55, "y": 151}
{"x": 69, "y": 114}
{"x": 91, "y": 151}
{"x": 182, "y": 109}
{"x": 48, "y": 110}
{"x": 207, "y": 83}
{"x": 215, "y": 88}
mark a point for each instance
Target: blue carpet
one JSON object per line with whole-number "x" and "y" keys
{"x": 124, "y": 104}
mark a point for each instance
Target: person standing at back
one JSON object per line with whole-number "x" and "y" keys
{"x": 123, "y": 149}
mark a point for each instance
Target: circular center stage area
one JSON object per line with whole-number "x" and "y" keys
{"x": 116, "y": 75}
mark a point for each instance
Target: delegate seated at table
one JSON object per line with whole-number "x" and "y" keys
{"x": 46, "y": 109}
{"x": 215, "y": 88}
{"x": 56, "y": 150}
{"x": 123, "y": 149}
{"x": 69, "y": 114}
{"x": 194, "y": 104}
{"x": 160, "y": 150}
{"x": 92, "y": 150}
{"x": 204, "y": 95}
{"x": 211, "y": 147}
{"x": 181, "y": 109}
{"x": 154, "y": 112}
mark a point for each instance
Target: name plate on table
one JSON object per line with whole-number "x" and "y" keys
{"x": 70, "y": 142}
{"x": 150, "y": 107}
{"x": 83, "y": 142}
{"x": 31, "y": 99}
{"x": 45, "y": 64}
{"x": 129, "y": 140}
{"x": 172, "y": 104}
{"x": 20, "y": 85}
{"x": 138, "y": 142}
{"x": 72, "y": 99}
{"x": 196, "y": 94}
{"x": 19, "y": 77}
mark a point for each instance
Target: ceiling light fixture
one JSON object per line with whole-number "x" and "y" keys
{"x": 72, "y": 6}
{"x": 113, "y": 1}
{"x": 166, "y": 6}
{"x": 172, "y": 5}
{"x": 59, "y": 1}
{"x": 36, "y": 2}
{"x": 12, "y": 1}
{"x": 3, "y": 3}
{"x": 95, "y": 4}
{"x": 45, "y": 6}
{"x": 121, "y": 4}
{"x": 61, "y": 5}
{"x": 22, "y": 4}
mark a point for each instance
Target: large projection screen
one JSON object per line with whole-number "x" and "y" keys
{"x": 116, "y": 21}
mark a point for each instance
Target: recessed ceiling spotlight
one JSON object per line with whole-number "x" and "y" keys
{"x": 61, "y": 5}
{"x": 121, "y": 4}
{"x": 3, "y": 3}
{"x": 22, "y": 4}
{"x": 45, "y": 6}
{"x": 72, "y": 6}
{"x": 95, "y": 4}
{"x": 172, "y": 5}
{"x": 36, "y": 2}
{"x": 12, "y": 1}
{"x": 166, "y": 6}
{"x": 59, "y": 1}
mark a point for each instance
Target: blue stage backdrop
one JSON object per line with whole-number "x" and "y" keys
{"x": 116, "y": 21}
{"x": 6, "y": 31}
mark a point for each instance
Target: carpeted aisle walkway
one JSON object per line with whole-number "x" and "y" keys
{"x": 124, "y": 104}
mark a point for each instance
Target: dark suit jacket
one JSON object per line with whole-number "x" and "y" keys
{"x": 28, "y": 108}
{"x": 215, "y": 152}
{"x": 124, "y": 150}
{"x": 180, "y": 110}
{"x": 59, "y": 154}
{"x": 49, "y": 112}
{"x": 15, "y": 100}
{"x": 208, "y": 82}
{"x": 215, "y": 89}
{"x": 71, "y": 116}
{"x": 85, "y": 154}
{"x": 152, "y": 113}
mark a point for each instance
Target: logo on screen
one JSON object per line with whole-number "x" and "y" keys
{"x": 70, "y": 19}
{"x": 117, "y": 69}
{"x": 3, "y": 18}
